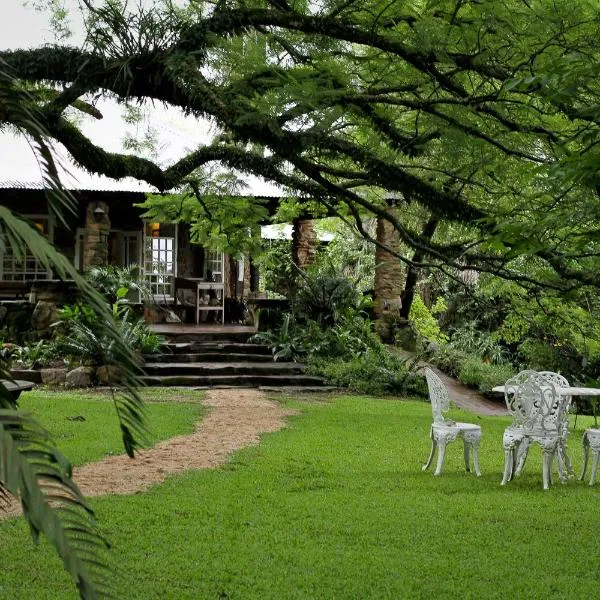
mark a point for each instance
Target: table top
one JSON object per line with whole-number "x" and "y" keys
{"x": 570, "y": 391}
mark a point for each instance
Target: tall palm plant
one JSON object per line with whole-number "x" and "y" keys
{"x": 31, "y": 467}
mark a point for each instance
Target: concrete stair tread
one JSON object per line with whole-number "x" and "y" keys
{"x": 223, "y": 365}
{"x": 235, "y": 347}
{"x": 207, "y": 357}
{"x": 245, "y": 380}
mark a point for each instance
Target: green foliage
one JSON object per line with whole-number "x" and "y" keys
{"x": 277, "y": 272}
{"x": 221, "y": 217}
{"x": 83, "y": 337}
{"x": 33, "y": 356}
{"x": 484, "y": 376}
{"x": 449, "y": 359}
{"x": 375, "y": 372}
{"x": 351, "y": 336}
{"x": 349, "y": 254}
{"x": 473, "y": 341}
{"x": 116, "y": 283}
{"x": 323, "y": 295}
{"x": 425, "y": 323}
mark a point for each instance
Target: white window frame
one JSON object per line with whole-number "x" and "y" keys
{"x": 18, "y": 270}
{"x": 155, "y": 252}
{"x": 214, "y": 261}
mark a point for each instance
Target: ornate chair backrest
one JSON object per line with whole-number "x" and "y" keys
{"x": 438, "y": 394}
{"x": 560, "y": 382}
{"x": 534, "y": 402}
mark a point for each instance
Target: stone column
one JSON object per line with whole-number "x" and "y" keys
{"x": 304, "y": 243}
{"x": 388, "y": 278}
{"x": 95, "y": 240}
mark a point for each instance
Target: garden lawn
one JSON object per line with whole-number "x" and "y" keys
{"x": 85, "y": 426}
{"x": 337, "y": 506}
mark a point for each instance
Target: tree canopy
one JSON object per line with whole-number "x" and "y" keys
{"x": 480, "y": 114}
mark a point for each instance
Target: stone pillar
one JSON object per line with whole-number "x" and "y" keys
{"x": 95, "y": 240}
{"x": 304, "y": 243}
{"x": 388, "y": 278}
{"x": 247, "y": 276}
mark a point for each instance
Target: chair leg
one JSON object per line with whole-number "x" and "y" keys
{"x": 431, "y": 454}
{"x": 586, "y": 454}
{"x": 548, "y": 456}
{"x": 466, "y": 451}
{"x": 595, "y": 456}
{"x": 476, "y": 459}
{"x": 560, "y": 465}
{"x": 441, "y": 453}
{"x": 509, "y": 461}
{"x": 522, "y": 451}
{"x": 567, "y": 461}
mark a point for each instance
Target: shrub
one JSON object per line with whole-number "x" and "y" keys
{"x": 351, "y": 337}
{"x": 425, "y": 323}
{"x": 374, "y": 373}
{"x": 323, "y": 296}
{"x": 473, "y": 341}
{"x": 449, "y": 359}
{"x": 484, "y": 376}
{"x": 84, "y": 338}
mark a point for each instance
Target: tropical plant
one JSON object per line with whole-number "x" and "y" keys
{"x": 31, "y": 468}
{"x": 323, "y": 295}
{"x": 85, "y": 337}
{"x": 376, "y": 372}
{"x": 110, "y": 281}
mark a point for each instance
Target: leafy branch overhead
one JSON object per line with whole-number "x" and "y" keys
{"x": 483, "y": 114}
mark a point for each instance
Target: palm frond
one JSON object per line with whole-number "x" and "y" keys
{"x": 130, "y": 409}
{"x": 30, "y": 466}
{"x": 33, "y": 470}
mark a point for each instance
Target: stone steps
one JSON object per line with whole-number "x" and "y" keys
{"x": 211, "y": 357}
{"x": 222, "y": 358}
{"x": 217, "y": 347}
{"x": 240, "y": 380}
{"x": 223, "y": 368}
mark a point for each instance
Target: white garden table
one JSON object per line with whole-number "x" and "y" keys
{"x": 568, "y": 391}
{"x": 591, "y": 437}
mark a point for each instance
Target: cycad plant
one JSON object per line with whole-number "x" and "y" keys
{"x": 31, "y": 468}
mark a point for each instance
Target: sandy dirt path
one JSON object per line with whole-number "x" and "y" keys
{"x": 237, "y": 418}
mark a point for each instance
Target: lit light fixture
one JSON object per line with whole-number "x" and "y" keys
{"x": 99, "y": 213}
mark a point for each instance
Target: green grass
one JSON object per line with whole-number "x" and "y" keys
{"x": 98, "y": 434}
{"x": 337, "y": 506}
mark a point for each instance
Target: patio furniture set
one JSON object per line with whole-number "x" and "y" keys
{"x": 539, "y": 404}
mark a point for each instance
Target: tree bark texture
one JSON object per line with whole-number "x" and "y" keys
{"x": 388, "y": 278}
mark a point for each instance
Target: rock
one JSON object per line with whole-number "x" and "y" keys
{"x": 53, "y": 376}
{"x": 108, "y": 374}
{"x": 80, "y": 377}
{"x": 44, "y": 314}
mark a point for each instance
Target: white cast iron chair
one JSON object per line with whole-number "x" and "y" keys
{"x": 538, "y": 412}
{"x": 564, "y": 462}
{"x": 443, "y": 431}
{"x": 591, "y": 440}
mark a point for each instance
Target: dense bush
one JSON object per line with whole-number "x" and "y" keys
{"x": 484, "y": 376}
{"x": 84, "y": 337}
{"x": 449, "y": 359}
{"x": 424, "y": 322}
{"x": 376, "y": 372}
{"x": 350, "y": 337}
{"x": 324, "y": 296}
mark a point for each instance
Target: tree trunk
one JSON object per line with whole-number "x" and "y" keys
{"x": 388, "y": 278}
{"x": 412, "y": 276}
